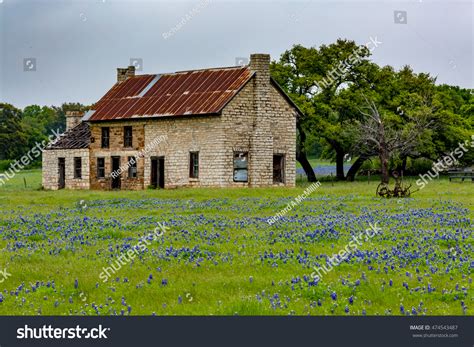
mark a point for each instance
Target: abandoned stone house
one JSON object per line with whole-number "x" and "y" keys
{"x": 219, "y": 127}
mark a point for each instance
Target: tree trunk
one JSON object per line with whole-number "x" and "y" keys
{"x": 340, "y": 165}
{"x": 383, "y": 156}
{"x": 339, "y": 159}
{"x": 355, "y": 168}
{"x": 308, "y": 170}
{"x": 404, "y": 165}
{"x": 301, "y": 154}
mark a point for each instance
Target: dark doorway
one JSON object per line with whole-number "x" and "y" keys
{"x": 157, "y": 172}
{"x": 62, "y": 173}
{"x": 278, "y": 168}
{"x": 116, "y": 179}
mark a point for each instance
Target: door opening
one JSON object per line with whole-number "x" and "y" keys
{"x": 62, "y": 173}
{"x": 116, "y": 179}
{"x": 157, "y": 172}
{"x": 278, "y": 168}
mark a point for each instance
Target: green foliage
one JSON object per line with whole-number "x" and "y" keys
{"x": 419, "y": 166}
{"x": 21, "y": 130}
{"x": 332, "y": 102}
{"x": 5, "y": 164}
{"x": 13, "y": 139}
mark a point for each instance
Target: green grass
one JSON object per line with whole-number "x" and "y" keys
{"x": 65, "y": 235}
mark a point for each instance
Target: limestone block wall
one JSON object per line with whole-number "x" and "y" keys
{"x": 270, "y": 131}
{"x": 203, "y": 134}
{"x": 116, "y": 148}
{"x": 50, "y": 177}
{"x": 283, "y": 129}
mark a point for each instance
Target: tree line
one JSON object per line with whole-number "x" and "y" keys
{"x": 355, "y": 108}
{"x": 21, "y": 130}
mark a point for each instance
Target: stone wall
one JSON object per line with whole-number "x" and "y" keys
{"x": 116, "y": 148}
{"x": 259, "y": 120}
{"x": 51, "y": 168}
{"x": 203, "y": 134}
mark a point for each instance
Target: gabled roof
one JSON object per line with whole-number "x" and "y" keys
{"x": 75, "y": 138}
{"x": 195, "y": 92}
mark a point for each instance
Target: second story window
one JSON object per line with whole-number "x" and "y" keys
{"x": 127, "y": 137}
{"x": 194, "y": 165}
{"x": 105, "y": 137}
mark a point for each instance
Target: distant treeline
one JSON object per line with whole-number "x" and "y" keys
{"x": 21, "y": 130}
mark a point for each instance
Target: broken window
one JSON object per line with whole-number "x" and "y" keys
{"x": 128, "y": 137}
{"x": 193, "y": 164}
{"x": 100, "y": 167}
{"x": 241, "y": 166}
{"x": 77, "y": 167}
{"x": 132, "y": 167}
{"x": 278, "y": 168}
{"x": 105, "y": 137}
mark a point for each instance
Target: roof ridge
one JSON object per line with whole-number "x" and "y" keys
{"x": 214, "y": 68}
{"x": 192, "y": 70}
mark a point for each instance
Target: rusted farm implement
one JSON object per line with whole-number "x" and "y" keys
{"x": 400, "y": 190}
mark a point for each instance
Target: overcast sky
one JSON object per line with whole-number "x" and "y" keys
{"x": 76, "y": 46}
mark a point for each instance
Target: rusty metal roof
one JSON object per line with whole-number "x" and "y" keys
{"x": 193, "y": 92}
{"x": 75, "y": 138}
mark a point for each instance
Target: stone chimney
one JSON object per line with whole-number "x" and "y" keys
{"x": 73, "y": 118}
{"x": 260, "y": 63}
{"x": 124, "y": 73}
{"x": 261, "y": 142}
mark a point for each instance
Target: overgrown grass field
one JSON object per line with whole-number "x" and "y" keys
{"x": 220, "y": 256}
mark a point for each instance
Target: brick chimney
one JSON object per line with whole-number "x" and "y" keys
{"x": 124, "y": 73}
{"x": 73, "y": 118}
{"x": 261, "y": 142}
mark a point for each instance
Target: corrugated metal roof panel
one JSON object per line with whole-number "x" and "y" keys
{"x": 75, "y": 138}
{"x": 177, "y": 94}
